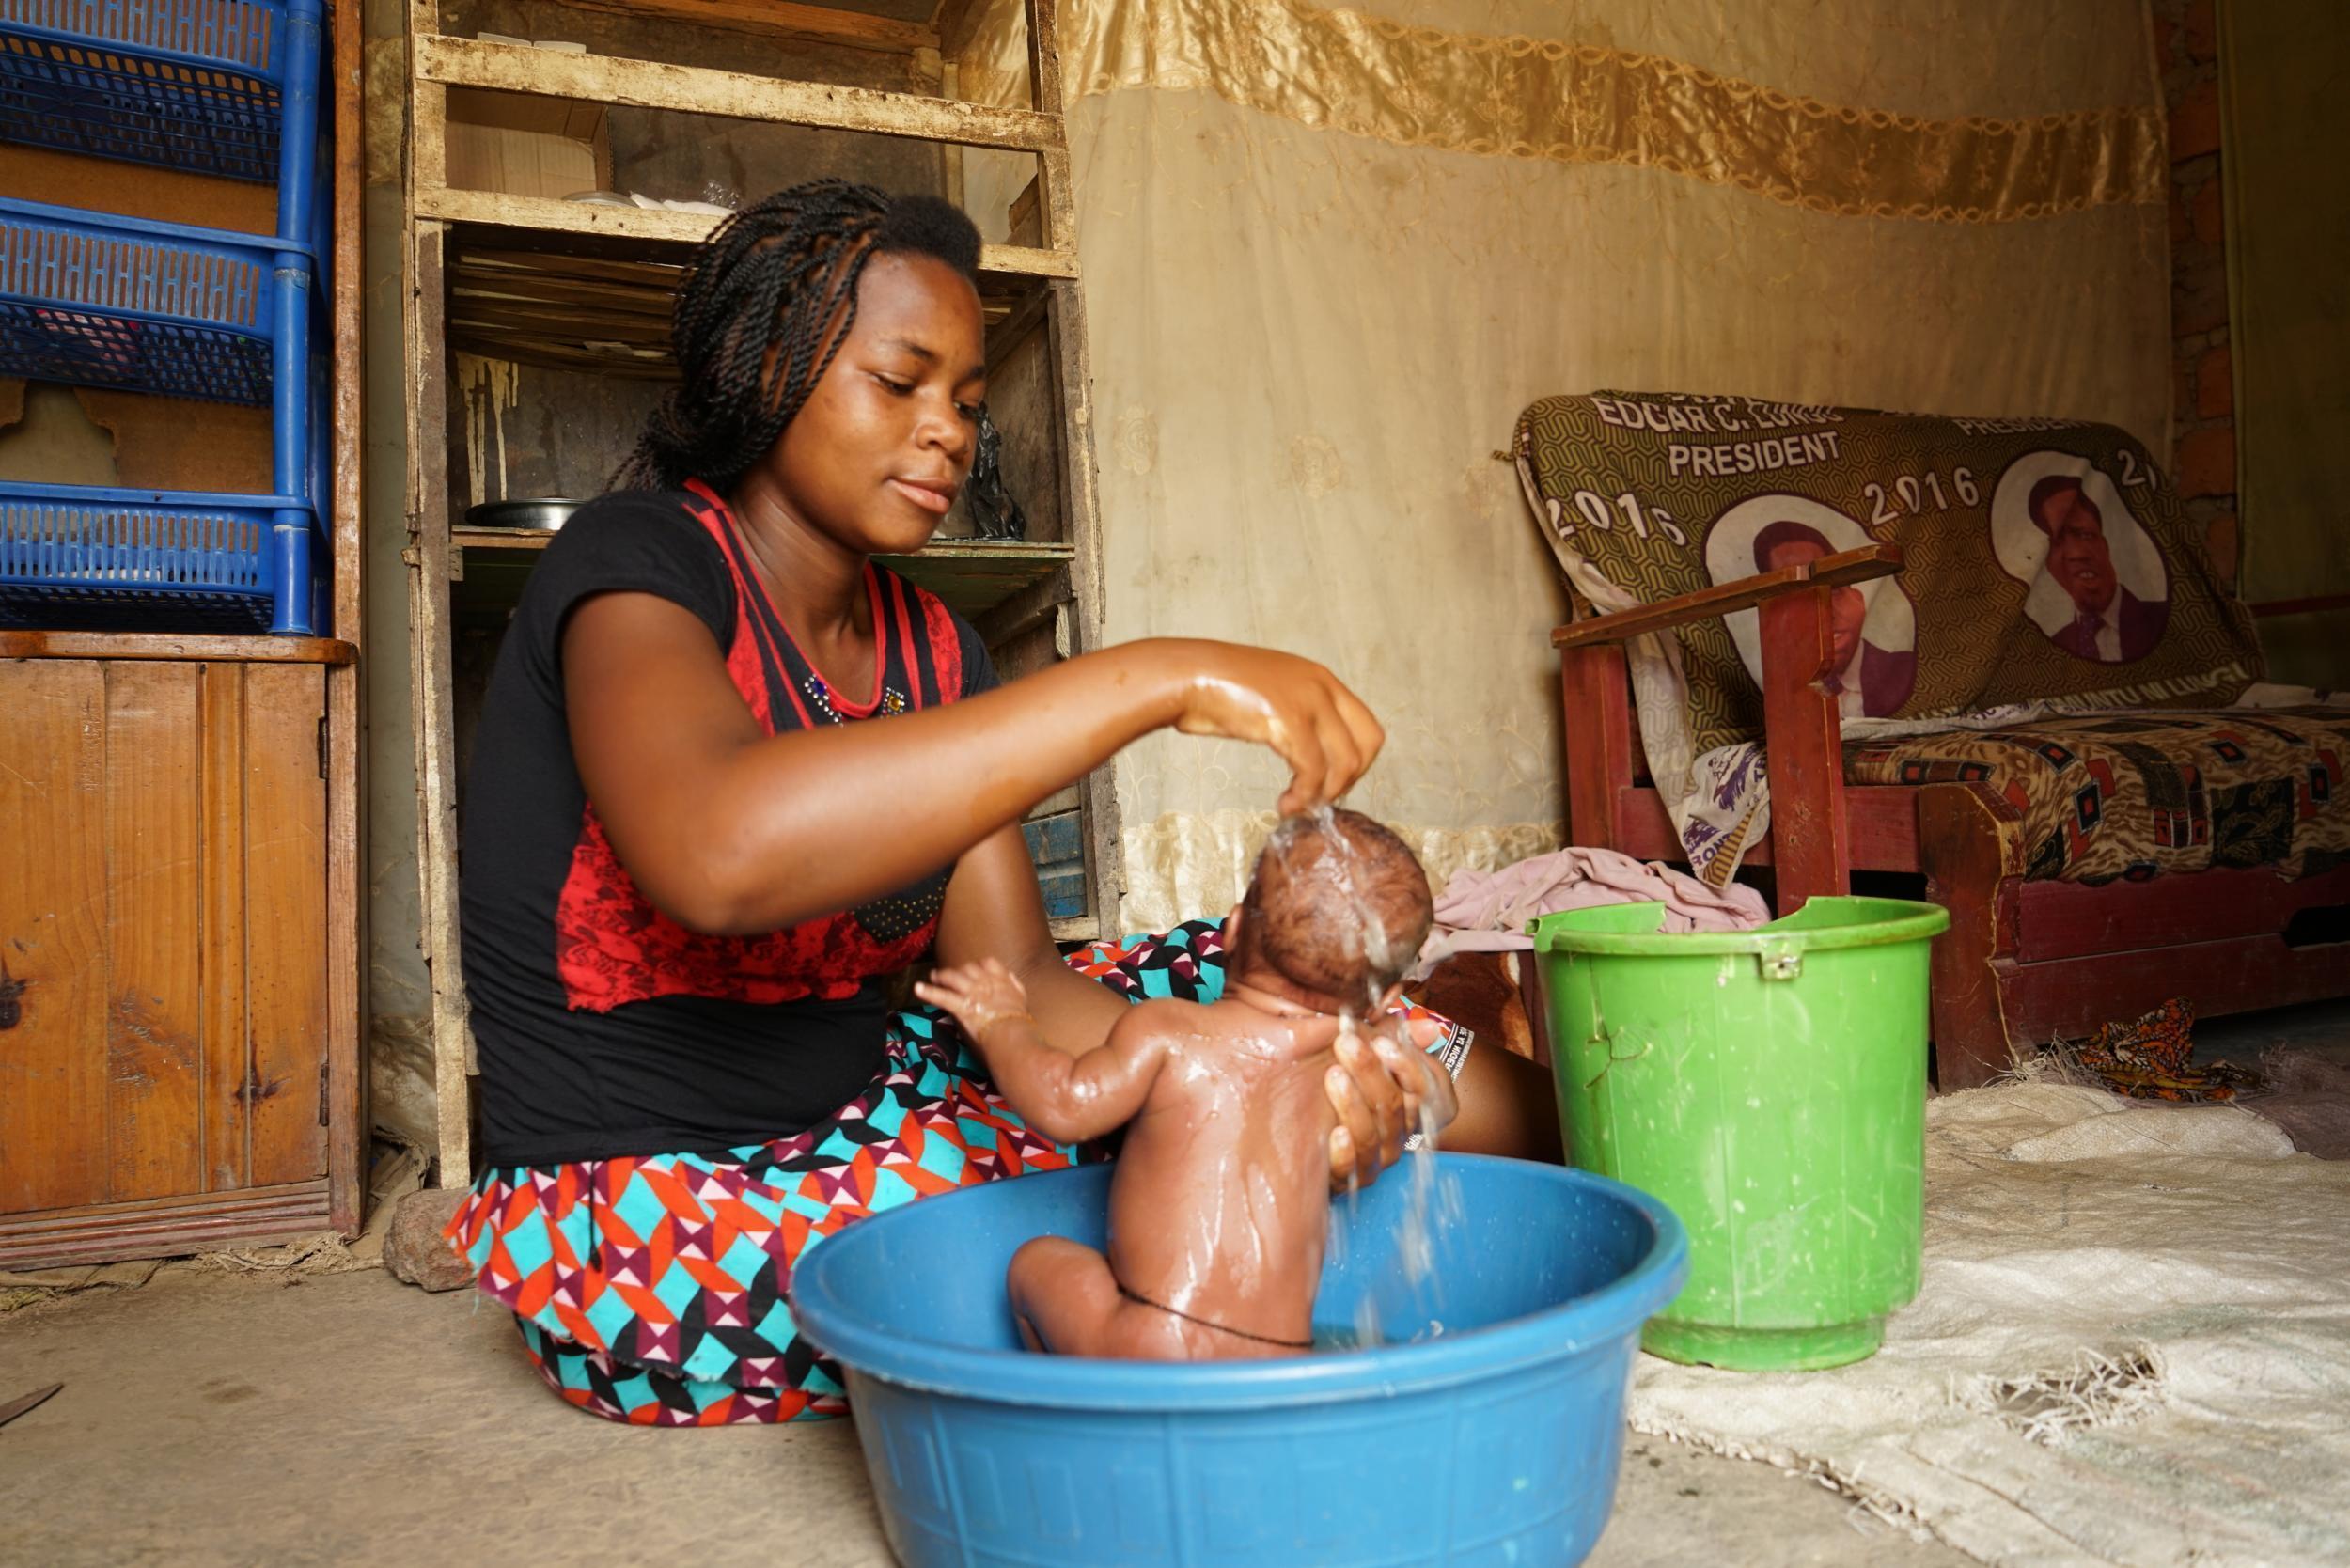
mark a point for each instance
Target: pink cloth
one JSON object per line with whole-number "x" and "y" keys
{"x": 1484, "y": 912}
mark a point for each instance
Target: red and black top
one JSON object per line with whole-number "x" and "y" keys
{"x": 604, "y": 1027}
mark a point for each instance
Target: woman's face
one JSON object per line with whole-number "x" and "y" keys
{"x": 876, "y": 455}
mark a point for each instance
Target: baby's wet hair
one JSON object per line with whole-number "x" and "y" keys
{"x": 1339, "y": 906}
{"x": 766, "y": 303}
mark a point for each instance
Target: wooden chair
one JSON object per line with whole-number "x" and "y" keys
{"x": 2023, "y": 961}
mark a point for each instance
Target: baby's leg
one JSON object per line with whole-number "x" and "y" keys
{"x": 1067, "y": 1302}
{"x": 1063, "y": 1295}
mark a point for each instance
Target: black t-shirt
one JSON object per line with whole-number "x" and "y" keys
{"x": 603, "y": 1028}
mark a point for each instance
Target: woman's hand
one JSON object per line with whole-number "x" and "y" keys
{"x": 1293, "y": 705}
{"x": 1380, "y": 1090}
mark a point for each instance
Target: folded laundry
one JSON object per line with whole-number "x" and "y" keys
{"x": 1488, "y": 911}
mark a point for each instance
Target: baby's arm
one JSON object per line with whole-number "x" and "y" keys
{"x": 1068, "y": 1099}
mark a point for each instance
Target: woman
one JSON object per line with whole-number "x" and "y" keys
{"x": 688, "y": 862}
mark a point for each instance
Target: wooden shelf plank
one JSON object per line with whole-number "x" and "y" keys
{"x": 972, "y": 576}
{"x": 974, "y": 581}
{"x": 649, "y": 229}
{"x": 1083, "y": 928}
{"x": 535, "y": 219}
{"x": 164, "y": 645}
{"x": 780, "y": 19}
{"x": 502, "y": 539}
{"x": 585, "y": 313}
{"x": 163, "y": 1227}
{"x": 610, "y": 79}
{"x": 953, "y": 23}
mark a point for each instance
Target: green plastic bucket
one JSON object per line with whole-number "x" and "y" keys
{"x": 1769, "y": 1085}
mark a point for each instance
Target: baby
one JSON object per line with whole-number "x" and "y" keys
{"x": 1219, "y": 1204}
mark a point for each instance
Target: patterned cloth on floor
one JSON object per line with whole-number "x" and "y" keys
{"x": 2151, "y": 1058}
{"x": 652, "y": 1290}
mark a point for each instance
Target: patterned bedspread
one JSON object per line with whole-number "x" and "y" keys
{"x": 2137, "y": 795}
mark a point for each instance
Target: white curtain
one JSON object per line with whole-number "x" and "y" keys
{"x": 1328, "y": 257}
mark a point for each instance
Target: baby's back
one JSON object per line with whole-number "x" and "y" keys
{"x": 1220, "y": 1203}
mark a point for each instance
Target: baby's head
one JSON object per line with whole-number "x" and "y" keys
{"x": 1338, "y": 908}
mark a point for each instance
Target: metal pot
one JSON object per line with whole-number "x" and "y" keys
{"x": 530, "y": 511}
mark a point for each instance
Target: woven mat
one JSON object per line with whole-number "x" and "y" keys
{"x": 2132, "y": 1346}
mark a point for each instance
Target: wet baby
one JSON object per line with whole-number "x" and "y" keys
{"x": 1219, "y": 1204}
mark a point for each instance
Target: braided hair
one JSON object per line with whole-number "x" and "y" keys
{"x": 766, "y": 303}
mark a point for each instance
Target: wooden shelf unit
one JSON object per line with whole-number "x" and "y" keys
{"x": 529, "y": 279}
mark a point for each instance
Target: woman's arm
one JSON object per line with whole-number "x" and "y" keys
{"x": 729, "y": 830}
{"x": 996, "y": 910}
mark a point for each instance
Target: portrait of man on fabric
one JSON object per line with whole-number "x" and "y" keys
{"x": 2097, "y": 583}
{"x": 1874, "y": 666}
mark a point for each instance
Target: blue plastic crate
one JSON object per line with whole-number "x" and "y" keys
{"x": 102, "y": 301}
{"x": 200, "y": 85}
{"x": 77, "y": 558}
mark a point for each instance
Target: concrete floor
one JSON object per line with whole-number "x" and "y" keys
{"x": 278, "y": 1418}
{"x": 211, "y": 1419}
{"x": 2241, "y": 1037}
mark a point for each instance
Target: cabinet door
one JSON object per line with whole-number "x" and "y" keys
{"x": 163, "y": 953}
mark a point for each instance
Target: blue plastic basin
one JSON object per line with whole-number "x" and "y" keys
{"x": 1496, "y": 1441}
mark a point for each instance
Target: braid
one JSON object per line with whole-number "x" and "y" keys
{"x": 765, "y": 304}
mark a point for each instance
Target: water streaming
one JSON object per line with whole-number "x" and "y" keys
{"x": 1434, "y": 1202}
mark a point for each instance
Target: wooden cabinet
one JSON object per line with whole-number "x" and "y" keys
{"x": 164, "y": 988}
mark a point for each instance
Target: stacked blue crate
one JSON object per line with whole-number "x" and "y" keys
{"x": 227, "y": 87}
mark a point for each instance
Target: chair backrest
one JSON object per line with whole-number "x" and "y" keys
{"x": 2047, "y": 559}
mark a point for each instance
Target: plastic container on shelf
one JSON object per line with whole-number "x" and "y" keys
{"x": 79, "y": 559}
{"x": 214, "y": 86}
{"x": 95, "y": 300}
{"x": 227, "y": 87}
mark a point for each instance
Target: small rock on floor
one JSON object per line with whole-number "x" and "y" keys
{"x": 414, "y": 1248}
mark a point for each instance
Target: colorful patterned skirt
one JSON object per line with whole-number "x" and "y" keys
{"x": 652, "y": 1290}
